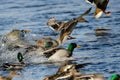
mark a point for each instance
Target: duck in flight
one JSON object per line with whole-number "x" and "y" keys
{"x": 66, "y": 27}
{"x": 101, "y": 6}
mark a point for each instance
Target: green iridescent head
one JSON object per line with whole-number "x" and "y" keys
{"x": 115, "y": 77}
{"x": 20, "y": 57}
{"x": 72, "y": 46}
{"x": 48, "y": 44}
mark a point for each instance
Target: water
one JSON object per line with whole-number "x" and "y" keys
{"x": 102, "y": 54}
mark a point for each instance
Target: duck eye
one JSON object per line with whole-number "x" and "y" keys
{"x": 68, "y": 68}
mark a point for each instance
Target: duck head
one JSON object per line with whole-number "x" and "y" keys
{"x": 48, "y": 44}
{"x": 15, "y": 31}
{"x": 53, "y": 24}
{"x": 72, "y": 46}
{"x": 115, "y": 77}
{"x": 23, "y": 32}
{"x": 20, "y": 58}
{"x": 51, "y": 21}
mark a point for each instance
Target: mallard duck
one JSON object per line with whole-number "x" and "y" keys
{"x": 70, "y": 72}
{"x": 47, "y": 42}
{"x": 61, "y": 54}
{"x": 15, "y": 38}
{"x": 101, "y": 6}
{"x": 67, "y": 27}
{"x": 66, "y": 71}
{"x": 115, "y": 77}
{"x": 10, "y": 76}
{"x": 15, "y": 66}
{"x": 40, "y": 46}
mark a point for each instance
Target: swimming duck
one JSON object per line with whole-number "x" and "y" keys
{"x": 68, "y": 27}
{"x": 15, "y": 38}
{"x": 61, "y": 54}
{"x": 101, "y": 6}
{"x": 115, "y": 77}
{"x": 70, "y": 72}
{"x": 10, "y": 76}
{"x": 15, "y": 66}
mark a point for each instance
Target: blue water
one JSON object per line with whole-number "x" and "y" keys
{"x": 102, "y": 54}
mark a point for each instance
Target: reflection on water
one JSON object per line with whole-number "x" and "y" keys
{"x": 101, "y": 51}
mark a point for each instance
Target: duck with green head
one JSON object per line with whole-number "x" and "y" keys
{"x": 42, "y": 42}
{"x": 38, "y": 49}
{"x": 61, "y": 54}
{"x": 15, "y": 66}
{"x": 46, "y": 46}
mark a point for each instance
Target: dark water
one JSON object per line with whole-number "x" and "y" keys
{"x": 102, "y": 54}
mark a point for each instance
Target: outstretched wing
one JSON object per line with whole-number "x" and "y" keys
{"x": 69, "y": 26}
{"x": 81, "y": 19}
